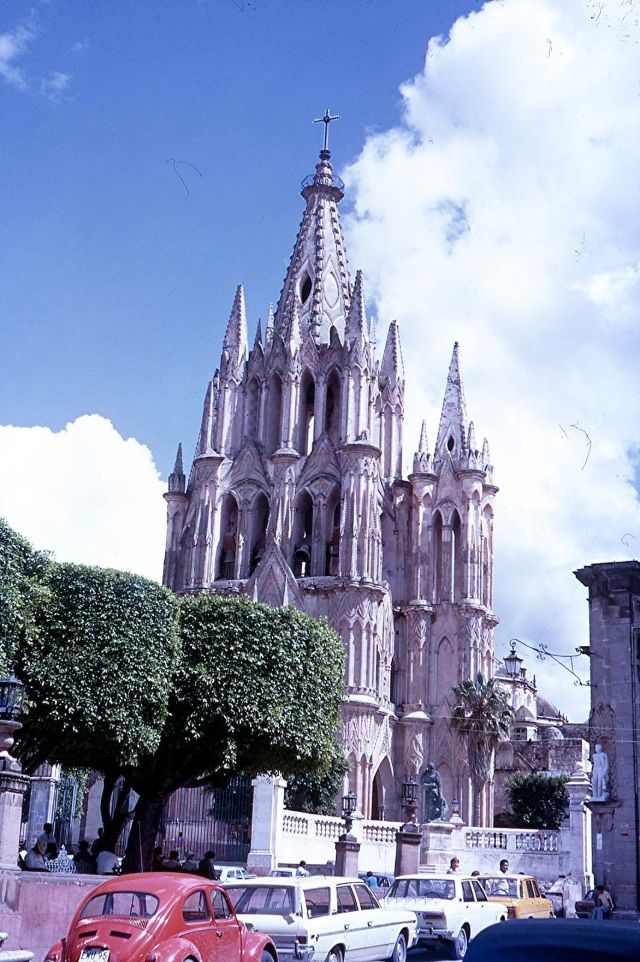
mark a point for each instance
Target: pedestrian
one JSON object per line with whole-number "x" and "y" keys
{"x": 99, "y": 843}
{"x": 172, "y": 864}
{"x": 302, "y": 869}
{"x": 46, "y": 835}
{"x": 504, "y": 865}
{"x": 371, "y": 880}
{"x": 190, "y": 864}
{"x": 453, "y": 866}
{"x": 604, "y": 903}
{"x": 206, "y": 866}
{"x": 475, "y": 873}
{"x": 84, "y": 861}
{"x": 34, "y": 860}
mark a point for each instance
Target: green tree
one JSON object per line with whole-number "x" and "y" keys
{"x": 538, "y": 800}
{"x": 257, "y": 689}
{"x": 21, "y": 569}
{"x": 98, "y": 667}
{"x": 317, "y": 794}
{"x": 481, "y": 717}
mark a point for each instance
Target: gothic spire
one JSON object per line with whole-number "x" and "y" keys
{"x": 423, "y": 444}
{"x": 356, "y": 326}
{"x": 176, "y": 478}
{"x": 453, "y": 419}
{"x": 318, "y": 275}
{"x": 235, "y": 338}
{"x": 206, "y": 438}
{"x": 258, "y": 338}
{"x": 422, "y": 459}
{"x": 392, "y": 366}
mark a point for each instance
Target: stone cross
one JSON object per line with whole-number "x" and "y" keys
{"x": 326, "y": 120}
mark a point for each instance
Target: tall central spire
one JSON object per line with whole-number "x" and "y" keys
{"x": 318, "y": 274}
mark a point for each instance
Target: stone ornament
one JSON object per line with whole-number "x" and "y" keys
{"x": 600, "y": 776}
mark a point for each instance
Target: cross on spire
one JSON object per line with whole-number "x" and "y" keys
{"x": 326, "y": 120}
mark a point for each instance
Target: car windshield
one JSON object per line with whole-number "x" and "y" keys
{"x": 424, "y": 888}
{"x": 500, "y": 885}
{"x": 132, "y": 904}
{"x": 262, "y": 899}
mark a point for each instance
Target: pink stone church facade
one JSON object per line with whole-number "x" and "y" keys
{"x": 296, "y": 496}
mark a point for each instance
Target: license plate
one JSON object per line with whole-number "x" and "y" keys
{"x": 94, "y": 954}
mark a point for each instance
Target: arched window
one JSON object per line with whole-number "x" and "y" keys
{"x": 260, "y": 522}
{"x": 332, "y": 563}
{"x": 251, "y": 408}
{"x": 456, "y": 558}
{"x": 332, "y": 407}
{"x": 307, "y": 409}
{"x": 439, "y": 572}
{"x": 303, "y": 536}
{"x": 228, "y": 538}
{"x": 273, "y": 421}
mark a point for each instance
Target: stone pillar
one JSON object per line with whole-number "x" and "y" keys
{"x": 580, "y": 830}
{"x": 13, "y": 785}
{"x": 408, "y": 841}
{"x": 347, "y": 851}
{"x": 42, "y": 800}
{"x": 436, "y": 846}
{"x": 266, "y": 823}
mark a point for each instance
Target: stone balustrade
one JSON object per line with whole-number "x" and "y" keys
{"x": 513, "y": 840}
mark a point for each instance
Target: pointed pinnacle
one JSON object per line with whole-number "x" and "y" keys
{"x": 294, "y": 333}
{"x": 471, "y": 438}
{"x": 177, "y": 468}
{"x": 269, "y": 326}
{"x": 176, "y": 478}
{"x": 205, "y": 440}
{"x": 392, "y": 360}
{"x": 423, "y": 445}
{"x": 453, "y": 419}
{"x": 258, "y": 337}
{"x": 486, "y": 454}
{"x": 235, "y": 338}
{"x": 356, "y": 325}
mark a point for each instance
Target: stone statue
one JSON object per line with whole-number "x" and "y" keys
{"x": 600, "y": 776}
{"x": 435, "y": 806}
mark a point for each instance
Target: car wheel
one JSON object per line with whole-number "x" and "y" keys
{"x": 266, "y": 956}
{"x": 335, "y": 955}
{"x": 399, "y": 953}
{"x": 458, "y": 948}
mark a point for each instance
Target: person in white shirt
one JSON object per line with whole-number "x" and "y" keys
{"x": 302, "y": 869}
{"x": 107, "y": 863}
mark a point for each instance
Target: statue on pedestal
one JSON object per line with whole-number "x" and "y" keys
{"x": 600, "y": 776}
{"x": 435, "y": 806}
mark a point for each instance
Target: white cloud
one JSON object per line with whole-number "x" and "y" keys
{"x": 54, "y": 86}
{"x": 13, "y": 45}
{"x": 501, "y": 212}
{"x": 85, "y": 493}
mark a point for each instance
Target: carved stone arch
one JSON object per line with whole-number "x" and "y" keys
{"x": 251, "y": 407}
{"x": 306, "y": 412}
{"x": 383, "y": 791}
{"x": 302, "y": 540}
{"x": 332, "y": 404}
{"x": 273, "y": 413}
{"x": 227, "y": 555}
{"x": 446, "y": 667}
{"x": 259, "y": 527}
{"x": 332, "y": 532}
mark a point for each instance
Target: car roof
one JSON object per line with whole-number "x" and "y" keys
{"x": 515, "y": 875}
{"x": 556, "y": 940}
{"x": 281, "y": 880}
{"x": 156, "y": 883}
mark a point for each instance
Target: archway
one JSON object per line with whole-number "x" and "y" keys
{"x": 273, "y": 423}
{"x": 228, "y": 545}
{"x": 260, "y": 522}
{"x": 302, "y": 536}
{"x": 383, "y": 801}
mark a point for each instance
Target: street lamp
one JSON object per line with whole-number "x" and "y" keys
{"x": 409, "y": 802}
{"x": 349, "y": 803}
{"x": 11, "y": 697}
{"x": 513, "y": 662}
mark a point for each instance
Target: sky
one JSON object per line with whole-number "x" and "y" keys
{"x": 152, "y": 157}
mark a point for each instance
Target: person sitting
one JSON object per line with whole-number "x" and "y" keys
{"x": 34, "y": 860}
{"x": 107, "y": 863}
{"x": 371, "y": 880}
{"x": 46, "y": 834}
{"x": 302, "y": 869}
{"x": 84, "y": 861}
{"x": 172, "y": 864}
{"x": 99, "y": 844}
{"x": 206, "y": 866}
{"x": 190, "y": 864}
{"x": 604, "y": 903}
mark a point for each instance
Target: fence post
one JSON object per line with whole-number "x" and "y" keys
{"x": 266, "y": 823}
{"x": 580, "y": 830}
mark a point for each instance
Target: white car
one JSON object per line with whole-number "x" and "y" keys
{"x": 228, "y": 873}
{"x": 450, "y": 909}
{"x": 324, "y": 919}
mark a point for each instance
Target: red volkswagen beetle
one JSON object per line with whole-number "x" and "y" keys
{"x": 159, "y": 917}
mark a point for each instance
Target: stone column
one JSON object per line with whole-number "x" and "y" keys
{"x": 42, "y": 800}
{"x": 347, "y": 851}
{"x": 436, "y": 846}
{"x": 408, "y": 841}
{"x": 266, "y": 823}
{"x": 580, "y": 830}
{"x": 13, "y": 785}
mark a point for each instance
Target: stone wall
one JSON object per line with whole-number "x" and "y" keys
{"x": 36, "y": 907}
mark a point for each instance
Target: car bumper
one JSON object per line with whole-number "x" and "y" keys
{"x": 430, "y": 934}
{"x": 294, "y": 953}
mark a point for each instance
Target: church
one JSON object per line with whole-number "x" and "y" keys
{"x": 296, "y": 496}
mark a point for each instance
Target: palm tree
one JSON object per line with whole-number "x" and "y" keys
{"x": 482, "y": 718}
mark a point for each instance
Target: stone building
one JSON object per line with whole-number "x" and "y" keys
{"x": 614, "y": 723}
{"x": 296, "y": 496}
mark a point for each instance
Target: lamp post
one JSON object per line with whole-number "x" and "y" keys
{"x": 409, "y": 801}
{"x": 513, "y": 662}
{"x": 349, "y": 803}
{"x": 347, "y": 846}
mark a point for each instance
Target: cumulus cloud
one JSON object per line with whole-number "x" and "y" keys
{"x": 54, "y": 86}
{"x": 86, "y": 493}
{"x": 13, "y": 45}
{"x": 501, "y": 212}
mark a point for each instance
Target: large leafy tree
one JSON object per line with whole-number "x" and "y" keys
{"x": 481, "y": 717}
{"x": 316, "y": 793}
{"x": 538, "y": 800}
{"x": 21, "y": 569}
{"x": 257, "y": 689}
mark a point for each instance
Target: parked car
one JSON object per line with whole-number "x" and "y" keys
{"x": 164, "y": 916}
{"x": 450, "y": 909}
{"x": 557, "y": 940}
{"x": 520, "y": 893}
{"x": 324, "y": 918}
{"x": 383, "y": 879}
{"x": 282, "y": 872}
{"x": 228, "y": 872}
{"x": 586, "y": 905}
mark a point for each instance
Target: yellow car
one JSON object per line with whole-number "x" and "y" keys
{"x": 520, "y": 893}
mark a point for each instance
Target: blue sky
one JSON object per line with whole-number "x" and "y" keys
{"x": 117, "y": 284}
{"x": 152, "y": 157}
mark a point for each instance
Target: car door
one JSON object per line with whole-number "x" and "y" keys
{"x": 352, "y": 923}
{"x": 198, "y": 928}
{"x": 320, "y": 924}
{"x": 228, "y": 939}
{"x": 537, "y": 907}
{"x": 380, "y": 930}
{"x": 486, "y": 910}
{"x": 472, "y": 909}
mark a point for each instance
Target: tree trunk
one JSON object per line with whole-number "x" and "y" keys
{"x": 114, "y": 817}
{"x": 144, "y": 831}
